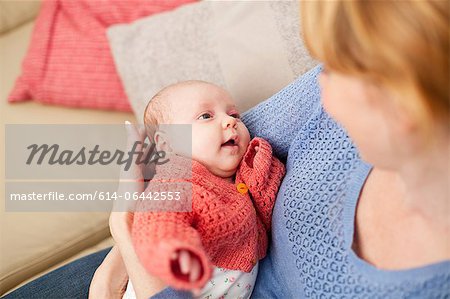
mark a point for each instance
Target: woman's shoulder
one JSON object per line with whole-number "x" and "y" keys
{"x": 279, "y": 118}
{"x": 323, "y": 138}
{"x": 313, "y": 224}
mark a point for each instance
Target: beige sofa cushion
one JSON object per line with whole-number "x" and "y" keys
{"x": 251, "y": 48}
{"x": 15, "y": 13}
{"x": 32, "y": 242}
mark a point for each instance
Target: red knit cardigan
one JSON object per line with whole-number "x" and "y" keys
{"x": 225, "y": 228}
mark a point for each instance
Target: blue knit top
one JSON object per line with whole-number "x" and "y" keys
{"x": 313, "y": 220}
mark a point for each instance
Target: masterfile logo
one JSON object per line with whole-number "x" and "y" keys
{"x": 54, "y": 155}
{"x": 79, "y": 167}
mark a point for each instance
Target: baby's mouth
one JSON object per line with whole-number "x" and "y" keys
{"x": 232, "y": 142}
{"x": 229, "y": 143}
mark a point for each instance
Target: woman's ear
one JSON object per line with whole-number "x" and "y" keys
{"x": 162, "y": 142}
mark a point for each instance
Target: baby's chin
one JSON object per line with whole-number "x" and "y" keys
{"x": 226, "y": 168}
{"x": 224, "y": 173}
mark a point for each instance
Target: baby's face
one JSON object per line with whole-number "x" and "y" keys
{"x": 219, "y": 137}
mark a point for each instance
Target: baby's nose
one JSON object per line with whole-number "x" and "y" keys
{"x": 229, "y": 122}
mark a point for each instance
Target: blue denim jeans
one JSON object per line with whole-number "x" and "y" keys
{"x": 73, "y": 280}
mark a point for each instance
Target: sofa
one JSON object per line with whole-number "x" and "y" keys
{"x": 253, "y": 49}
{"x": 32, "y": 243}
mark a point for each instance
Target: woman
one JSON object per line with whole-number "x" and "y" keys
{"x": 363, "y": 209}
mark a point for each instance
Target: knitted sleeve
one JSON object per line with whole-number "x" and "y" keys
{"x": 279, "y": 118}
{"x": 158, "y": 235}
{"x": 262, "y": 173}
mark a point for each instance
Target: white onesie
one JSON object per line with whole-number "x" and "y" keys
{"x": 224, "y": 284}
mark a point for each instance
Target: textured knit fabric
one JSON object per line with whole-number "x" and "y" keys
{"x": 313, "y": 219}
{"x": 226, "y": 228}
{"x": 69, "y": 61}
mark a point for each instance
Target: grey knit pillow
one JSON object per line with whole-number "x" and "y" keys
{"x": 251, "y": 48}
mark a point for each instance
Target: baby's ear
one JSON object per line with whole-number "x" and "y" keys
{"x": 162, "y": 142}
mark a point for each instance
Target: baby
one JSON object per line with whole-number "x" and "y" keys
{"x": 216, "y": 246}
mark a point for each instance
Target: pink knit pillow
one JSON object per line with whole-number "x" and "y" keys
{"x": 69, "y": 62}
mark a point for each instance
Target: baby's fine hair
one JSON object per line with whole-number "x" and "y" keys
{"x": 158, "y": 109}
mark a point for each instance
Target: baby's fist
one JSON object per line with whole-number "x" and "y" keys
{"x": 186, "y": 266}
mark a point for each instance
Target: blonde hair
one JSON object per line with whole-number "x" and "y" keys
{"x": 401, "y": 45}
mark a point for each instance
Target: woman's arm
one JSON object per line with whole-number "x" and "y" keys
{"x": 279, "y": 118}
{"x": 170, "y": 259}
{"x": 121, "y": 219}
{"x": 110, "y": 278}
{"x": 144, "y": 284}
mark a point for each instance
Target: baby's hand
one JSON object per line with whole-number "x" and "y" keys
{"x": 250, "y": 154}
{"x": 186, "y": 266}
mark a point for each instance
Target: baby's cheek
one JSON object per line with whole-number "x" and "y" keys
{"x": 245, "y": 135}
{"x": 198, "y": 151}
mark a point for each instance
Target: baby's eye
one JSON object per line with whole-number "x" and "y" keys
{"x": 205, "y": 116}
{"x": 236, "y": 115}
